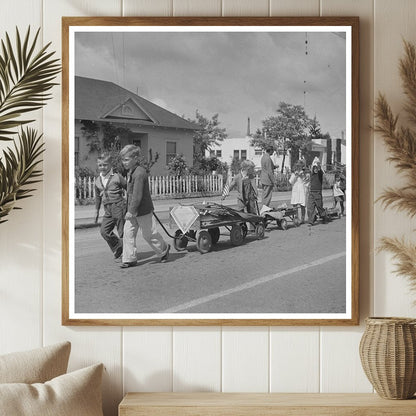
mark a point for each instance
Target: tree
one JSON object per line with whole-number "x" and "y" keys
{"x": 287, "y": 130}
{"x": 209, "y": 134}
{"x": 111, "y": 135}
{"x": 261, "y": 140}
{"x": 208, "y": 165}
{"x": 314, "y": 134}
{"x": 315, "y": 129}
{"x": 215, "y": 164}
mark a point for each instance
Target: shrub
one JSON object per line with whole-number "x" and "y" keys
{"x": 177, "y": 165}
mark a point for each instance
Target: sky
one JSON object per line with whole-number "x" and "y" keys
{"x": 237, "y": 75}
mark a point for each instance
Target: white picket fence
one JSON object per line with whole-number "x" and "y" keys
{"x": 162, "y": 186}
{"x": 180, "y": 186}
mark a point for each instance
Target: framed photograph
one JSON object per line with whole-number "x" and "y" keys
{"x": 210, "y": 171}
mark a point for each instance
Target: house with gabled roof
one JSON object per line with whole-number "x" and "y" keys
{"x": 149, "y": 126}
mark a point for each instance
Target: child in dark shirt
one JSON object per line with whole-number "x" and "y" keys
{"x": 246, "y": 194}
{"x": 315, "y": 194}
{"x": 139, "y": 210}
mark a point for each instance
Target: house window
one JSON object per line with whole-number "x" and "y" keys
{"x": 243, "y": 154}
{"x": 219, "y": 153}
{"x": 258, "y": 152}
{"x": 170, "y": 151}
{"x": 236, "y": 154}
{"x": 76, "y": 156}
{"x": 137, "y": 142}
{"x": 212, "y": 153}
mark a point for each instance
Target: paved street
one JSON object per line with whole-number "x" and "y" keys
{"x": 300, "y": 270}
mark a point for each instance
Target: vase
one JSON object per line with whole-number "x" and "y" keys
{"x": 388, "y": 356}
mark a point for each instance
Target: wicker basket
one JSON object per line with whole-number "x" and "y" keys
{"x": 388, "y": 356}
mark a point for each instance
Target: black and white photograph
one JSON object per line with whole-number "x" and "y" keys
{"x": 210, "y": 173}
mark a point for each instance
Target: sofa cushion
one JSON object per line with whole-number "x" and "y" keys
{"x": 35, "y": 366}
{"x": 73, "y": 394}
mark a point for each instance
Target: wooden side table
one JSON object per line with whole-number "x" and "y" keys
{"x": 262, "y": 404}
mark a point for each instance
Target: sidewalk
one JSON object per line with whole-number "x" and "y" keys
{"x": 85, "y": 214}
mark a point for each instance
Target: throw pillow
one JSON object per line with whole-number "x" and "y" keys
{"x": 73, "y": 394}
{"x": 35, "y": 366}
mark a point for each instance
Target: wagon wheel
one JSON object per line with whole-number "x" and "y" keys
{"x": 283, "y": 224}
{"x": 259, "y": 231}
{"x": 180, "y": 242}
{"x": 215, "y": 234}
{"x": 236, "y": 235}
{"x": 203, "y": 241}
{"x": 244, "y": 230}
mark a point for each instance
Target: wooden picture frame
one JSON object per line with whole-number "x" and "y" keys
{"x": 309, "y": 270}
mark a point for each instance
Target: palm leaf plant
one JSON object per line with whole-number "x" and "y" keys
{"x": 401, "y": 143}
{"x": 26, "y": 78}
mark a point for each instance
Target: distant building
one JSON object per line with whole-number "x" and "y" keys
{"x": 240, "y": 148}
{"x": 152, "y": 127}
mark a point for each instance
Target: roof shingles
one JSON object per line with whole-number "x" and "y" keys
{"x": 96, "y": 98}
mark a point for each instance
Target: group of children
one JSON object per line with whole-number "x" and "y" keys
{"x": 306, "y": 190}
{"x": 127, "y": 207}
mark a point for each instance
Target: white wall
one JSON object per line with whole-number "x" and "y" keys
{"x": 261, "y": 359}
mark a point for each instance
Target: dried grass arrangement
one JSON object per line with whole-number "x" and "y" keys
{"x": 26, "y": 77}
{"x": 401, "y": 143}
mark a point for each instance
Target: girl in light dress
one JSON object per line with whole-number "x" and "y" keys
{"x": 338, "y": 194}
{"x": 298, "y": 199}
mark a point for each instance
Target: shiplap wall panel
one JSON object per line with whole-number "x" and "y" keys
{"x": 245, "y": 8}
{"x": 341, "y": 371}
{"x": 394, "y": 21}
{"x": 196, "y": 359}
{"x": 294, "y": 351}
{"x": 294, "y": 8}
{"x": 21, "y": 237}
{"x": 245, "y": 359}
{"x": 89, "y": 344}
{"x": 197, "y": 7}
{"x": 147, "y": 359}
{"x": 147, "y": 7}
